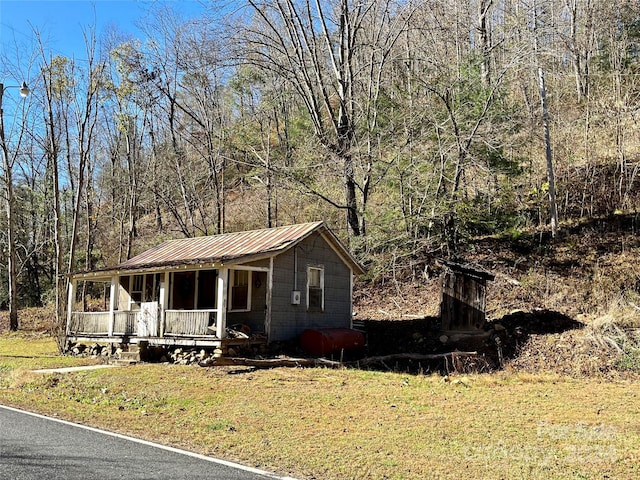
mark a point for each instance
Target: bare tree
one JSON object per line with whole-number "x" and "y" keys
{"x": 484, "y": 32}
{"x": 177, "y": 82}
{"x": 579, "y": 38}
{"x": 553, "y": 204}
{"x": 55, "y": 84}
{"x": 333, "y": 54}
{"x": 10, "y": 154}
{"x": 538, "y": 30}
{"x": 11, "y": 143}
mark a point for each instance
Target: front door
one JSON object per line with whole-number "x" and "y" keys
{"x": 148, "y": 319}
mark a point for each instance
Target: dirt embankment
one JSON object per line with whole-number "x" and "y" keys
{"x": 569, "y": 306}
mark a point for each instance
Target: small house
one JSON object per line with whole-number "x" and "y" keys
{"x": 269, "y": 284}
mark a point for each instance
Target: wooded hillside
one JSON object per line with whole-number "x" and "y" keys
{"x": 411, "y": 127}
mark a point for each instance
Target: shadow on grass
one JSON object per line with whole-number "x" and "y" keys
{"x": 29, "y": 356}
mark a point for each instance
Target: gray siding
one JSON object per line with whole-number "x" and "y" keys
{"x": 287, "y": 320}
{"x": 264, "y": 263}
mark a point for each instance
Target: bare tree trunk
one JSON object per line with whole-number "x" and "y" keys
{"x": 351, "y": 199}
{"x": 12, "y": 256}
{"x": 485, "y": 40}
{"x": 155, "y": 174}
{"x": 91, "y": 220}
{"x": 542, "y": 90}
{"x": 133, "y": 197}
{"x": 581, "y": 50}
{"x": 553, "y": 206}
{"x": 62, "y": 284}
{"x": 86, "y": 120}
{"x": 52, "y": 152}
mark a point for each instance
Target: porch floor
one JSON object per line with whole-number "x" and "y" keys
{"x": 183, "y": 341}
{"x": 187, "y": 341}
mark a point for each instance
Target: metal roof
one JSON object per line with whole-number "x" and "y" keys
{"x": 232, "y": 248}
{"x": 468, "y": 269}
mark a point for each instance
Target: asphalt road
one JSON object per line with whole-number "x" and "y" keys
{"x": 33, "y": 447}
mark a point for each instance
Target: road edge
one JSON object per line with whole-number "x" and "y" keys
{"x": 121, "y": 436}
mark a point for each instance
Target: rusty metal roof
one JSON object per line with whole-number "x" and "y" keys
{"x": 468, "y": 269}
{"x": 232, "y": 248}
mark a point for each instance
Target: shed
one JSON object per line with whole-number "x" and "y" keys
{"x": 270, "y": 283}
{"x": 463, "y": 306}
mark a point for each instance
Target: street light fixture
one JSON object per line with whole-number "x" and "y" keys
{"x": 24, "y": 90}
{"x": 24, "y": 93}
{"x": 7, "y": 164}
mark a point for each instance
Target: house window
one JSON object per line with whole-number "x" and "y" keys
{"x": 151, "y": 287}
{"x": 137, "y": 286}
{"x": 240, "y": 281}
{"x": 315, "y": 289}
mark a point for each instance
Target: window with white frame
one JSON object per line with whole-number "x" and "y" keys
{"x": 137, "y": 287}
{"x": 240, "y": 290}
{"x": 315, "y": 289}
{"x": 142, "y": 288}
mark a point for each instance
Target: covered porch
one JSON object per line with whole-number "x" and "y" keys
{"x": 205, "y": 305}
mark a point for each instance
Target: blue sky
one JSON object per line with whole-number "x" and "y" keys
{"x": 61, "y": 22}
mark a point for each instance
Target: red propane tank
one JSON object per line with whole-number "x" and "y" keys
{"x": 322, "y": 341}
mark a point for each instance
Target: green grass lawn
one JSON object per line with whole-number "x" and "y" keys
{"x": 348, "y": 424}
{"x": 20, "y": 351}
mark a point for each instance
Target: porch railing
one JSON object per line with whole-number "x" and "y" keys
{"x": 125, "y": 323}
{"x": 89, "y": 322}
{"x": 190, "y": 322}
{"x": 176, "y": 323}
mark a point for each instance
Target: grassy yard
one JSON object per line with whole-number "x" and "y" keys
{"x": 347, "y": 424}
{"x": 23, "y": 351}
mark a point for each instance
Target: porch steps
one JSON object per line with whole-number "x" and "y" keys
{"x": 130, "y": 356}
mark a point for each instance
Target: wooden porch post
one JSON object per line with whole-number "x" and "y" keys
{"x": 351, "y": 298}
{"x": 195, "y": 288}
{"x": 70, "y": 301}
{"x": 115, "y": 280}
{"x": 267, "y": 320}
{"x": 164, "y": 299}
{"x": 221, "y": 317}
